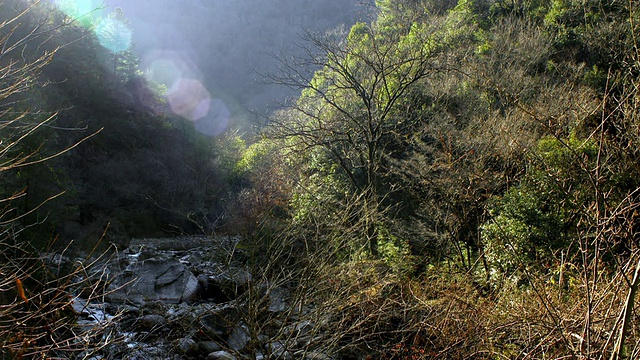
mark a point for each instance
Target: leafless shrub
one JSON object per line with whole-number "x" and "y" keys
{"x": 37, "y": 318}
{"x": 40, "y": 309}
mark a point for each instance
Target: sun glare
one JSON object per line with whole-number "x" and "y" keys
{"x": 189, "y": 99}
{"x": 186, "y": 95}
{"x": 82, "y": 11}
{"x": 173, "y": 71}
{"x": 113, "y": 34}
{"x": 112, "y": 30}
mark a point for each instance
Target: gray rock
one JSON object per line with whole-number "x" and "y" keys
{"x": 317, "y": 356}
{"x": 213, "y": 326}
{"x": 278, "y": 300}
{"x": 239, "y": 337}
{"x": 153, "y": 279}
{"x": 300, "y": 328}
{"x": 146, "y": 351}
{"x": 221, "y": 284}
{"x": 191, "y": 288}
{"x": 146, "y": 252}
{"x": 207, "y": 347}
{"x": 220, "y": 355}
{"x": 187, "y": 346}
{"x": 279, "y": 351}
{"x": 80, "y": 306}
{"x": 152, "y": 321}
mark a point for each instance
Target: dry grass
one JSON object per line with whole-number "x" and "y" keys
{"x": 377, "y": 315}
{"x": 37, "y": 319}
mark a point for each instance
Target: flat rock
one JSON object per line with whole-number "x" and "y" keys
{"x": 220, "y": 355}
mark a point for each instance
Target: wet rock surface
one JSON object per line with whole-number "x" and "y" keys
{"x": 186, "y": 299}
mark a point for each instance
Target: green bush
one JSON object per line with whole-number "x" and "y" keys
{"x": 540, "y": 215}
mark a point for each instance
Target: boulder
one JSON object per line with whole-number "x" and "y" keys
{"x": 187, "y": 346}
{"x": 153, "y": 279}
{"x": 221, "y": 284}
{"x": 208, "y": 347}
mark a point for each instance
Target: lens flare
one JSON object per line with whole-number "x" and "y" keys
{"x": 216, "y": 122}
{"x": 186, "y": 95}
{"x": 164, "y": 72}
{"x": 173, "y": 72}
{"x": 113, "y": 34}
{"x": 113, "y": 31}
{"x": 81, "y": 10}
{"x": 189, "y": 99}
{"x": 166, "y": 67}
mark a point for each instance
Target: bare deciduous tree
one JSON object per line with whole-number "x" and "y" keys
{"x": 350, "y": 108}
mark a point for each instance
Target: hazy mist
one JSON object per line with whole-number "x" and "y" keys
{"x": 226, "y": 44}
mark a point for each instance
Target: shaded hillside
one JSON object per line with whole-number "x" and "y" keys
{"x": 145, "y": 171}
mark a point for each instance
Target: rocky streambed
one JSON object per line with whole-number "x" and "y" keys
{"x": 188, "y": 298}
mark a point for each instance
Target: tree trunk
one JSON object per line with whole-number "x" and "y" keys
{"x": 371, "y": 209}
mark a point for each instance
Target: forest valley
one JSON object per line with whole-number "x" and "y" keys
{"x": 457, "y": 179}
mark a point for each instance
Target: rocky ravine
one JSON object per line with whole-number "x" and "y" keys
{"x": 185, "y": 298}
